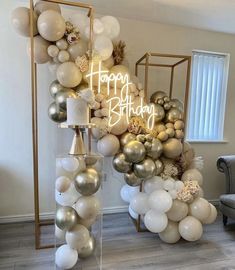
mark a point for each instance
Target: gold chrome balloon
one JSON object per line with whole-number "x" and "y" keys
{"x": 56, "y": 114}
{"x": 175, "y": 103}
{"x": 61, "y": 97}
{"x": 120, "y": 164}
{"x": 173, "y": 115}
{"x": 88, "y": 249}
{"x": 87, "y": 182}
{"x": 159, "y": 167}
{"x": 55, "y": 87}
{"x": 126, "y": 138}
{"x": 157, "y": 95}
{"x": 156, "y": 149}
{"x": 159, "y": 113}
{"x": 145, "y": 168}
{"x": 66, "y": 218}
{"x": 132, "y": 180}
{"x": 134, "y": 151}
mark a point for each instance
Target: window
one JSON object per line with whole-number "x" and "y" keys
{"x": 208, "y": 96}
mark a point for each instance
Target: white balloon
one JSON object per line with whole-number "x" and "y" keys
{"x": 59, "y": 234}
{"x": 72, "y": 164}
{"x": 104, "y": 46}
{"x": 169, "y": 184}
{"x": 111, "y": 27}
{"x": 65, "y": 257}
{"x": 67, "y": 198}
{"x": 139, "y": 203}
{"x": 108, "y": 145}
{"x": 124, "y": 193}
{"x": 152, "y": 184}
{"x": 173, "y": 194}
{"x": 133, "y": 191}
{"x": 179, "y": 185}
{"x": 60, "y": 171}
{"x": 132, "y": 213}
{"x": 160, "y": 201}
{"x": 155, "y": 222}
{"x": 62, "y": 183}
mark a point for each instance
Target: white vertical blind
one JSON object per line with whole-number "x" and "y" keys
{"x": 208, "y": 96}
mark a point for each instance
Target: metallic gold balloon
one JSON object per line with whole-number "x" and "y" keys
{"x": 172, "y": 148}
{"x": 175, "y": 103}
{"x": 88, "y": 249}
{"x": 134, "y": 151}
{"x": 156, "y": 149}
{"x": 159, "y": 113}
{"x": 159, "y": 167}
{"x": 173, "y": 115}
{"x": 61, "y": 97}
{"x": 132, "y": 180}
{"x": 126, "y": 138}
{"x": 120, "y": 164}
{"x": 145, "y": 168}
{"x": 157, "y": 95}
{"x": 56, "y": 114}
{"x": 87, "y": 182}
{"x": 55, "y": 87}
{"x": 66, "y": 218}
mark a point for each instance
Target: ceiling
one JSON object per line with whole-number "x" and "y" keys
{"x": 215, "y": 15}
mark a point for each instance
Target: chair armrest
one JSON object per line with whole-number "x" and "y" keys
{"x": 226, "y": 165}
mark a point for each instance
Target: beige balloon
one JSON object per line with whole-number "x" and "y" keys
{"x": 178, "y": 211}
{"x": 40, "y": 50}
{"x": 200, "y": 209}
{"x": 69, "y": 75}
{"x": 212, "y": 217}
{"x": 122, "y": 70}
{"x": 78, "y": 237}
{"x": 62, "y": 184}
{"x": 171, "y": 234}
{"x": 78, "y": 49}
{"x": 109, "y": 63}
{"x": 20, "y": 19}
{"x": 42, "y": 6}
{"x": 88, "y": 207}
{"x": 193, "y": 175}
{"x": 190, "y": 228}
{"x": 121, "y": 126}
{"x": 62, "y": 44}
{"x": 51, "y": 25}
{"x": 63, "y": 56}
{"x": 172, "y": 148}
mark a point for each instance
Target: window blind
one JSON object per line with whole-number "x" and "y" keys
{"x": 207, "y": 96}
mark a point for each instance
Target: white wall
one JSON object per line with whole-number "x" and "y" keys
{"x": 16, "y": 182}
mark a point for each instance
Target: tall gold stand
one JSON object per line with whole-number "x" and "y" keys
{"x": 39, "y": 223}
{"x": 146, "y": 61}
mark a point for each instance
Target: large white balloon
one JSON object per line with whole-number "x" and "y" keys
{"x": 66, "y": 257}
{"x": 108, "y": 145}
{"x": 152, "y": 184}
{"x": 160, "y": 201}
{"x": 111, "y": 27}
{"x": 103, "y": 46}
{"x": 67, "y": 198}
{"x": 171, "y": 234}
{"x": 169, "y": 184}
{"x": 155, "y": 222}
{"x": 190, "y": 228}
{"x": 73, "y": 165}
{"x": 139, "y": 203}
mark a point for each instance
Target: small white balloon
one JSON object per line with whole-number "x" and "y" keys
{"x": 139, "y": 203}
{"x": 104, "y": 46}
{"x": 124, "y": 193}
{"x": 111, "y": 27}
{"x": 72, "y": 164}
{"x": 160, "y": 201}
{"x": 155, "y": 222}
{"x": 155, "y": 183}
{"x": 179, "y": 185}
{"x": 60, "y": 171}
{"x": 133, "y": 191}
{"x": 169, "y": 184}
{"x": 173, "y": 194}
{"x": 66, "y": 257}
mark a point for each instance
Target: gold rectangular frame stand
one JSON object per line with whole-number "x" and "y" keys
{"x": 39, "y": 223}
{"x": 145, "y": 61}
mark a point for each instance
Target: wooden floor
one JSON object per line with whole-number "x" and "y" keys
{"x": 124, "y": 249}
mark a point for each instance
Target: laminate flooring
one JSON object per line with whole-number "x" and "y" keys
{"x": 124, "y": 248}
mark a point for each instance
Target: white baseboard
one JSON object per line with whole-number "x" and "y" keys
{"x": 51, "y": 215}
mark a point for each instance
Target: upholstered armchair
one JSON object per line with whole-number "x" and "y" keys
{"x": 226, "y": 164}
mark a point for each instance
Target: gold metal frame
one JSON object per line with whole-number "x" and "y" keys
{"x": 39, "y": 223}
{"x": 145, "y": 61}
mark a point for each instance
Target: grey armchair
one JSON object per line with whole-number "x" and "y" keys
{"x": 226, "y": 164}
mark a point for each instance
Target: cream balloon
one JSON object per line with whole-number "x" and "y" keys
{"x": 172, "y": 148}
{"x": 160, "y": 201}
{"x": 139, "y": 203}
{"x": 108, "y": 145}
{"x": 200, "y": 209}
{"x": 60, "y": 170}
{"x": 51, "y": 25}
{"x": 69, "y": 75}
{"x": 178, "y": 211}
{"x": 20, "y": 19}
{"x": 152, "y": 184}
{"x": 86, "y": 222}
{"x": 104, "y": 47}
{"x": 67, "y": 198}
{"x": 171, "y": 234}
{"x": 88, "y": 207}
{"x": 62, "y": 184}
{"x": 190, "y": 228}
{"x": 109, "y": 63}
{"x": 118, "y": 70}
{"x": 212, "y": 217}
{"x": 53, "y": 50}
{"x": 121, "y": 126}
{"x": 77, "y": 237}
{"x": 63, "y": 56}
{"x": 192, "y": 175}
{"x": 66, "y": 257}
{"x": 40, "y": 50}
{"x": 62, "y": 44}
{"x": 111, "y": 27}
{"x": 73, "y": 164}
{"x": 78, "y": 49}
{"x": 42, "y": 6}
{"x": 155, "y": 222}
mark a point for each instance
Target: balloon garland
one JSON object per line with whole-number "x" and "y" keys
{"x": 171, "y": 202}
